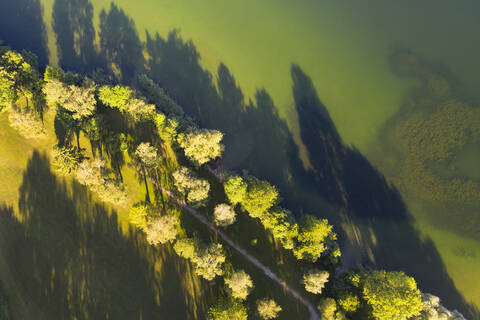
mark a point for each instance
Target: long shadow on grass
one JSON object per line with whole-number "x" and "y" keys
{"x": 346, "y": 177}
{"x": 75, "y": 35}
{"x": 22, "y": 27}
{"x": 70, "y": 258}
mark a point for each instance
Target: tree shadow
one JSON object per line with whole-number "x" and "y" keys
{"x": 120, "y": 45}
{"x": 22, "y": 27}
{"x": 345, "y": 176}
{"x": 75, "y": 35}
{"x": 70, "y": 258}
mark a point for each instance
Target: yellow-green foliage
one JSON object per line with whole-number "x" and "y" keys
{"x": 201, "y": 145}
{"x": 268, "y": 309}
{"x": 116, "y": 97}
{"x": 18, "y": 77}
{"x": 147, "y": 154}
{"x": 328, "y": 310}
{"x": 260, "y": 197}
{"x": 227, "y": 309}
{"x": 240, "y": 284}
{"x": 138, "y": 215}
{"x": 185, "y": 247}
{"x": 311, "y": 240}
{"x": 282, "y": 225}
{"x": 65, "y": 159}
{"x": 81, "y": 100}
{"x": 235, "y": 189}
{"x": 27, "y": 122}
{"x": 349, "y": 302}
{"x": 391, "y": 295}
{"x": 315, "y": 280}
{"x": 166, "y": 127}
{"x": 209, "y": 261}
{"x": 162, "y": 229}
{"x": 196, "y": 190}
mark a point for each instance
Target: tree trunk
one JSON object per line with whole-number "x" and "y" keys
{"x": 147, "y": 197}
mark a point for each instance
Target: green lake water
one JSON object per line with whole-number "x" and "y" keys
{"x": 344, "y": 47}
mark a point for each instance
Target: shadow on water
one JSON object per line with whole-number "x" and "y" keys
{"x": 257, "y": 139}
{"x": 344, "y": 175}
{"x": 69, "y": 259}
{"x": 22, "y": 27}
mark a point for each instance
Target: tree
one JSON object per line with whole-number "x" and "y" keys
{"x": 139, "y": 110}
{"x": 208, "y": 261}
{"x": 268, "y": 309}
{"x": 162, "y": 229}
{"x": 433, "y": 310}
{"x": 111, "y": 190}
{"x": 227, "y": 309}
{"x": 196, "y": 190}
{"x": 95, "y": 175}
{"x": 56, "y": 93}
{"x": 260, "y": 197}
{"x": 27, "y": 123}
{"x": 311, "y": 240}
{"x": 185, "y": 247}
{"x": 201, "y": 145}
{"x": 349, "y": 302}
{"x": 65, "y": 159}
{"x": 138, "y": 215}
{"x": 89, "y": 172}
{"x": 235, "y": 189}
{"x": 147, "y": 154}
{"x": 328, "y": 310}
{"x": 240, "y": 284}
{"x": 81, "y": 100}
{"x": 224, "y": 215}
{"x": 126, "y": 100}
{"x": 18, "y": 77}
{"x": 282, "y": 225}
{"x": 166, "y": 127}
{"x": 157, "y": 96}
{"x": 391, "y": 295}
{"x": 116, "y": 97}
{"x": 314, "y": 280}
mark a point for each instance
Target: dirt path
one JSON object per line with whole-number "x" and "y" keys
{"x": 269, "y": 273}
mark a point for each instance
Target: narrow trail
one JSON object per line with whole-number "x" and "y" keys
{"x": 266, "y": 270}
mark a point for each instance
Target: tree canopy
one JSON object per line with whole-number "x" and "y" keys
{"x": 392, "y": 295}
{"x": 227, "y": 309}
{"x": 268, "y": 309}
{"x": 201, "y": 145}
{"x": 315, "y": 280}
{"x": 240, "y": 284}
{"x": 195, "y": 189}
{"x": 224, "y": 215}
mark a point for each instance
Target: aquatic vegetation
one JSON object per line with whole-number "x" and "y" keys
{"x": 430, "y": 134}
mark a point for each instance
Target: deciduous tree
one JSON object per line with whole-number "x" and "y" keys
{"x": 268, "y": 309}
{"x": 235, "y": 189}
{"x": 391, "y": 295}
{"x": 209, "y": 261}
{"x": 312, "y": 237}
{"x": 224, "y": 215}
{"x": 227, "y": 309}
{"x": 196, "y": 190}
{"x": 315, "y": 280}
{"x": 240, "y": 284}
{"x": 162, "y": 229}
{"x": 201, "y": 145}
